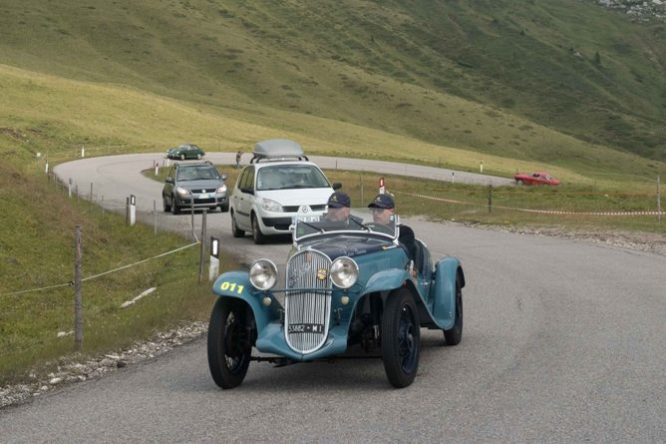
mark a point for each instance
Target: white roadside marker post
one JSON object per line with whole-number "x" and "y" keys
{"x": 214, "y": 265}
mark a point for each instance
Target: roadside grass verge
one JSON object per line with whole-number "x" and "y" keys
{"x": 469, "y": 203}
{"x": 37, "y": 229}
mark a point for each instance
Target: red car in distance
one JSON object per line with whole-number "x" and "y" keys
{"x": 535, "y": 179}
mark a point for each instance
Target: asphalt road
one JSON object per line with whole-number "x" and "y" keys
{"x": 563, "y": 342}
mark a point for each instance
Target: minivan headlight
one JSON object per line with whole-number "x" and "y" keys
{"x": 271, "y": 205}
{"x": 344, "y": 272}
{"x": 263, "y": 274}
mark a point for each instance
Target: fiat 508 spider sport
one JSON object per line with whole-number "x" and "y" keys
{"x": 351, "y": 289}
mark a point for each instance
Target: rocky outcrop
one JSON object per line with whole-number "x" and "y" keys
{"x": 639, "y": 10}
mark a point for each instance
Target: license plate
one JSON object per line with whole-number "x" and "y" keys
{"x": 306, "y": 328}
{"x": 204, "y": 196}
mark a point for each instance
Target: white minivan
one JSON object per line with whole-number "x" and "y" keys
{"x": 279, "y": 183}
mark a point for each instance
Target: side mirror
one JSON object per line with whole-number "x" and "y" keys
{"x": 247, "y": 190}
{"x": 336, "y": 186}
{"x": 224, "y": 177}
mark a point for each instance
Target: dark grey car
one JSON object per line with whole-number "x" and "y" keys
{"x": 197, "y": 185}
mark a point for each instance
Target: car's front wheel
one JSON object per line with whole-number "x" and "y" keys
{"x": 453, "y": 336}
{"x": 235, "y": 231}
{"x": 165, "y": 205}
{"x": 401, "y": 338}
{"x": 229, "y": 346}
{"x": 182, "y": 157}
{"x": 174, "y": 206}
{"x": 257, "y": 235}
{"x": 224, "y": 207}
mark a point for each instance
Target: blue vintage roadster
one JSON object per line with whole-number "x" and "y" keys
{"x": 350, "y": 286}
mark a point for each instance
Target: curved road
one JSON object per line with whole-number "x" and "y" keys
{"x": 563, "y": 342}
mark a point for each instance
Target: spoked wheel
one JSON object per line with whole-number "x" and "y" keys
{"x": 401, "y": 338}
{"x": 454, "y": 335}
{"x": 257, "y": 235}
{"x": 229, "y": 346}
{"x": 235, "y": 231}
{"x": 182, "y": 157}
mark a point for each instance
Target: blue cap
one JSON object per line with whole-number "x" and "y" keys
{"x": 339, "y": 200}
{"x": 384, "y": 201}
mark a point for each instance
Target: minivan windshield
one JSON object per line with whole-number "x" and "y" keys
{"x": 287, "y": 177}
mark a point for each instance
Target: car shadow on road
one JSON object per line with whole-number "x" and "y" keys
{"x": 365, "y": 374}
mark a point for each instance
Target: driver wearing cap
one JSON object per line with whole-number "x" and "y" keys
{"x": 338, "y": 207}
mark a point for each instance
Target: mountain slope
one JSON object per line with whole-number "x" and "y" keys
{"x": 392, "y": 65}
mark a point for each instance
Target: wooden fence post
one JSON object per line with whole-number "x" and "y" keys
{"x": 202, "y": 252}
{"x": 78, "y": 299}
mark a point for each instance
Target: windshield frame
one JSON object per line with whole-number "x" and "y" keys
{"x": 354, "y": 228}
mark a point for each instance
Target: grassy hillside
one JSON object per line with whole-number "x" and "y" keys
{"x": 480, "y": 75}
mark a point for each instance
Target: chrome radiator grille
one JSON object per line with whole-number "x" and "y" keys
{"x": 307, "y": 311}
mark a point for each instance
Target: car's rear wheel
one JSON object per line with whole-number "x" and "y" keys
{"x": 235, "y": 231}
{"x": 257, "y": 235}
{"x": 199, "y": 156}
{"x": 401, "y": 338}
{"x": 229, "y": 346}
{"x": 453, "y": 336}
{"x": 182, "y": 157}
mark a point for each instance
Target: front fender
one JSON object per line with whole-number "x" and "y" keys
{"x": 386, "y": 280}
{"x": 236, "y": 284}
{"x": 443, "y": 292}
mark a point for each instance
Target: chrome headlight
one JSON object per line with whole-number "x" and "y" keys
{"x": 182, "y": 191}
{"x": 222, "y": 189}
{"x": 344, "y": 272}
{"x": 263, "y": 274}
{"x": 271, "y": 205}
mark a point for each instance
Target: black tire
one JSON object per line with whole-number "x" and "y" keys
{"x": 224, "y": 207}
{"x": 454, "y": 335}
{"x": 257, "y": 235}
{"x": 520, "y": 182}
{"x": 165, "y": 205}
{"x": 229, "y": 348}
{"x": 401, "y": 338}
{"x": 235, "y": 231}
{"x": 174, "y": 206}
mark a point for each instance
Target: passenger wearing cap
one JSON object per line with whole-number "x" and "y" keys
{"x": 339, "y": 205}
{"x": 383, "y": 208}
